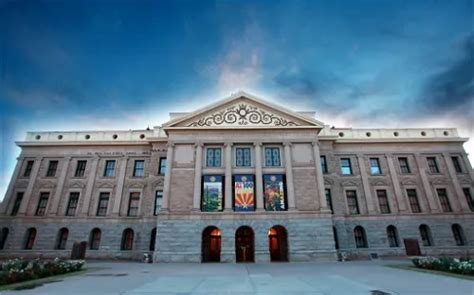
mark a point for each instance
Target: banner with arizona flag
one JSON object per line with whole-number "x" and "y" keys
{"x": 244, "y": 187}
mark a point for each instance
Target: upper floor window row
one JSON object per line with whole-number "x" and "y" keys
{"x": 375, "y": 166}
{"x": 109, "y": 170}
{"x": 52, "y": 168}
{"x": 243, "y": 157}
{"x": 432, "y": 164}
{"x": 28, "y": 168}
{"x": 346, "y": 167}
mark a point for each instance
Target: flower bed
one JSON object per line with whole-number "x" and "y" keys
{"x": 18, "y": 270}
{"x": 449, "y": 264}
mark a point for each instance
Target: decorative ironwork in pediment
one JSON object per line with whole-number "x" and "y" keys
{"x": 242, "y": 115}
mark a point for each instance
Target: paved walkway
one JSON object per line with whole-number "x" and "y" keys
{"x": 357, "y": 277}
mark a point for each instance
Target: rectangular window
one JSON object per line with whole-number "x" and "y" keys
{"x": 456, "y": 164}
{"x": 139, "y": 168}
{"x": 72, "y": 205}
{"x": 404, "y": 168}
{"x": 272, "y": 157}
{"x": 469, "y": 198}
{"x": 103, "y": 204}
{"x": 274, "y": 192}
{"x": 413, "y": 200}
{"x": 162, "y": 169}
{"x": 109, "y": 170}
{"x": 213, "y": 157}
{"x": 52, "y": 167}
{"x": 244, "y": 193}
{"x": 324, "y": 164}
{"x": 352, "y": 202}
{"x": 28, "y": 168}
{"x": 133, "y": 204}
{"x": 383, "y": 201}
{"x": 212, "y": 193}
{"x": 80, "y": 168}
{"x": 243, "y": 157}
{"x": 346, "y": 168}
{"x": 375, "y": 166}
{"x": 443, "y": 199}
{"x": 158, "y": 202}
{"x": 17, "y": 204}
{"x": 329, "y": 199}
{"x": 42, "y": 204}
{"x": 432, "y": 164}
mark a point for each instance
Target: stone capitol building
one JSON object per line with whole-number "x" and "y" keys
{"x": 241, "y": 180}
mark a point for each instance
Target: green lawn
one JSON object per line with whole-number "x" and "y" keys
{"x": 436, "y": 272}
{"x": 31, "y": 284}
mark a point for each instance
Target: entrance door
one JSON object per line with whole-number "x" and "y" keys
{"x": 244, "y": 244}
{"x": 211, "y": 244}
{"x": 412, "y": 247}
{"x": 278, "y": 243}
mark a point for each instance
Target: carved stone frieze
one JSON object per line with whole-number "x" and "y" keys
{"x": 242, "y": 115}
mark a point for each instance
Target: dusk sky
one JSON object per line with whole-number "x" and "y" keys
{"x": 85, "y": 65}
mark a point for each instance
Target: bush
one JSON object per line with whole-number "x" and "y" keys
{"x": 465, "y": 267}
{"x": 18, "y": 270}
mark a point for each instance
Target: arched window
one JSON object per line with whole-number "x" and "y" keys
{"x": 458, "y": 234}
{"x": 94, "y": 239}
{"x": 392, "y": 236}
{"x": 127, "y": 239}
{"x": 61, "y": 239}
{"x": 3, "y": 237}
{"x": 30, "y": 237}
{"x": 153, "y": 239}
{"x": 425, "y": 234}
{"x": 336, "y": 240}
{"x": 360, "y": 238}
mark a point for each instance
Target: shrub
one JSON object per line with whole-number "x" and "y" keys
{"x": 465, "y": 267}
{"x": 17, "y": 270}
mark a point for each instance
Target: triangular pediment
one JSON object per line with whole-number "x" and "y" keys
{"x": 243, "y": 110}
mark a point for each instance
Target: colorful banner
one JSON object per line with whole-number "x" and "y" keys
{"x": 274, "y": 192}
{"x": 244, "y": 192}
{"x": 212, "y": 193}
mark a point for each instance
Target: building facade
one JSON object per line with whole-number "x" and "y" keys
{"x": 238, "y": 181}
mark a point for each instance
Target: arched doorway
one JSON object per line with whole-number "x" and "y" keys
{"x": 278, "y": 243}
{"x": 211, "y": 244}
{"x": 244, "y": 244}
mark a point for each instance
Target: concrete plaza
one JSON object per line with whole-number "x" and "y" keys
{"x": 356, "y": 277}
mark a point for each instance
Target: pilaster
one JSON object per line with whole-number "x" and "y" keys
{"x": 260, "y": 206}
{"x": 433, "y": 206}
{"x": 460, "y": 202}
{"x": 167, "y": 184}
{"x": 228, "y": 177}
{"x": 289, "y": 177}
{"x": 53, "y": 209}
{"x": 402, "y": 206}
{"x": 120, "y": 183}
{"x": 365, "y": 184}
{"x": 31, "y": 185}
{"x": 319, "y": 178}
{"x": 197, "y": 177}
{"x": 5, "y": 205}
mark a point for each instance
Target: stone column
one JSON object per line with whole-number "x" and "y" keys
{"x": 260, "y": 206}
{"x": 432, "y": 203}
{"x": 365, "y": 184}
{"x": 228, "y": 177}
{"x": 89, "y": 187}
{"x": 29, "y": 188}
{"x": 167, "y": 185}
{"x": 197, "y": 178}
{"x": 5, "y": 205}
{"x": 323, "y": 205}
{"x": 53, "y": 209}
{"x": 460, "y": 203}
{"x": 402, "y": 206}
{"x": 119, "y": 191}
{"x": 289, "y": 177}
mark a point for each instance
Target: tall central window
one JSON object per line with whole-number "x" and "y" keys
{"x": 346, "y": 168}
{"x": 242, "y": 157}
{"x": 432, "y": 164}
{"x": 28, "y": 168}
{"x": 103, "y": 204}
{"x": 43, "y": 202}
{"x": 443, "y": 199}
{"x": 52, "y": 167}
{"x": 352, "y": 202}
{"x": 80, "y": 168}
{"x": 383, "y": 201}
{"x": 213, "y": 157}
{"x": 272, "y": 156}
{"x": 404, "y": 167}
{"x": 109, "y": 168}
{"x": 134, "y": 203}
{"x": 72, "y": 205}
{"x": 139, "y": 168}
{"x": 212, "y": 193}
{"x": 413, "y": 199}
{"x": 329, "y": 199}
{"x": 158, "y": 202}
{"x": 375, "y": 166}
{"x": 324, "y": 164}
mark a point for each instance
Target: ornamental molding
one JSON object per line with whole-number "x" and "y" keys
{"x": 350, "y": 183}
{"x": 242, "y": 114}
{"x": 439, "y": 180}
{"x": 47, "y": 184}
{"x": 107, "y": 184}
{"x": 78, "y": 185}
{"x": 137, "y": 185}
{"x": 378, "y": 182}
{"x": 464, "y": 180}
{"x": 158, "y": 183}
{"x": 408, "y": 181}
{"x": 328, "y": 181}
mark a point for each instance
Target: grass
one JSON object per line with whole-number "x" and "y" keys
{"x": 31, "y": 284}
{"x": 436, "y": 272}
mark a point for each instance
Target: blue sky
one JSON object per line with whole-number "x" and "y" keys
{"x": 125, "y": 64}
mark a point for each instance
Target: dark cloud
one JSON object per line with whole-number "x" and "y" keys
{"x": 453, "y": 87}
{"x": 297, "y": 82}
